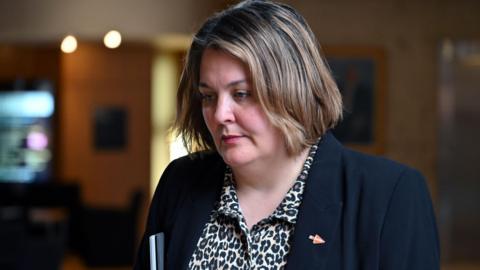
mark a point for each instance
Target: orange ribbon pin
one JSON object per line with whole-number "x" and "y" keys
{"x": 316, "y": 239}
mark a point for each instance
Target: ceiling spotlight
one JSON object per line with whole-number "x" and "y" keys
{"x": 69, "y": 44}
{"x": 112, "y": 39}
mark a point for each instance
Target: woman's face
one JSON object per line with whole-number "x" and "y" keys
{"x": 240, "y": 128}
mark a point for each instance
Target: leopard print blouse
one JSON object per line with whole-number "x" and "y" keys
{"x": 226, "y": 241}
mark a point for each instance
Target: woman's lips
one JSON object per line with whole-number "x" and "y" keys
{"x": 230, "y": 139}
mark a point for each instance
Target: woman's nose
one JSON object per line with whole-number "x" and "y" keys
{"x": 224, "y": 110}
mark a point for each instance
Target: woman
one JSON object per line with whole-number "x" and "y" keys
{"x": 272, "y": 188}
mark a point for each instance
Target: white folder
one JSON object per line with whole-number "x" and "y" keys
{"x": 156, "y": 251}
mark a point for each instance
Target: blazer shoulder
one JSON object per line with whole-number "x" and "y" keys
{"x": 197, "y": 159}
{"x": 182, "y": 178}
{"x": 376, "y": 171}
{"x": 194, "y": 166}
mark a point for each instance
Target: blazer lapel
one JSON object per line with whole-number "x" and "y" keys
{"x": 194, "y": 214}
{"x": 321, "y": 208}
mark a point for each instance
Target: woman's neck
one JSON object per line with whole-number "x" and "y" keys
{"x": 262, "y": 186}
{"x": 269, "y": 174}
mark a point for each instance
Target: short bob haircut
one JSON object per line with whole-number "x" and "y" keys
{"x": 289, "y": 77}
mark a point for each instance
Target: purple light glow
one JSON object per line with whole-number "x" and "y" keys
{"x": 37, "y": 141}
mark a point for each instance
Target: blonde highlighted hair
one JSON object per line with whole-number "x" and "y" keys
{"x": 289, "y": 76}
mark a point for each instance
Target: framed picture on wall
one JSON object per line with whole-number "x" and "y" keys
{"x": 110, "y": 128}
{"x": 360, "y": 76}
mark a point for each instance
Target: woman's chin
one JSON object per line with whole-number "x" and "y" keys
{"x": 235, "y": 159}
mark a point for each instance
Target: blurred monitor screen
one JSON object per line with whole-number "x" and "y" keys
{"x": 26, "y": 115}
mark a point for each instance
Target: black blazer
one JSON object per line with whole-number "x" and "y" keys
{"x": 372, "y": 213}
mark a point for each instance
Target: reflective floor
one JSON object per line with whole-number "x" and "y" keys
{"x": 72, "y": 262}
{"x": 462, "y": 266}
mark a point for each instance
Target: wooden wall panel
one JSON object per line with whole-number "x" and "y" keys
{"x": 93, "y": 77}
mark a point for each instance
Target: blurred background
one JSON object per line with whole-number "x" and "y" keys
{"x": 84, "y": 117}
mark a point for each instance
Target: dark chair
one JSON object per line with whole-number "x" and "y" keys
{"x": 108, "y": 234}
{"x": 29, "y": 242}
{"x": 26, "y": 244}
{"x": 13, "y": 238}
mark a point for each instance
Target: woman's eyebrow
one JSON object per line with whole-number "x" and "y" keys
{"x": 203, "y": 85}
{"x": 236, "y": 82}
{"x": 230, "y": 84}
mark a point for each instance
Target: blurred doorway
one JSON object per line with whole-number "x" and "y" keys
{"x": 459, "y": 151}
{"x": 167, "y": 66}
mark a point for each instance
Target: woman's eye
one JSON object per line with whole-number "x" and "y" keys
{"x": 206, "y": 97}
{"x": 242, "y": 94}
